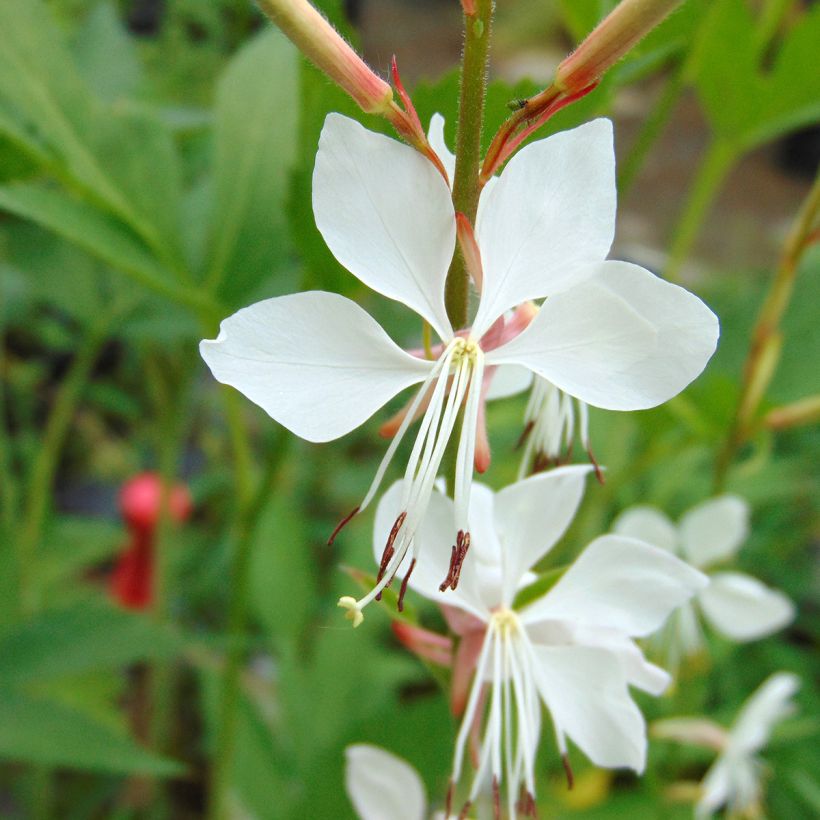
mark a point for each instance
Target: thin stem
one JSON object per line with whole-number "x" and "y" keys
{"x": 42, "y": 473}
{"x": 719, "y": 158}
{"x": 764, "y": 348}
{"x": 8, "y": 488}
{"x": 468, "y": 146}
{"x": 240, "y": 544}
{"x": 171, "y": 411}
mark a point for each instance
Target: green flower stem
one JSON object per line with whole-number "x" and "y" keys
{"x": 42, "y": 473}
{"x": 171, "y": 411}
{"x": 240, "y": 545}
{"x": 8, "y": 488}
{"x": 764, "y": 349}
{"x": 718, "y": 160}
{"x": 468, "y": 147}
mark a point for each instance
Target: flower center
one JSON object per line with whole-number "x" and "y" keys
{"x": 455, "y": 380}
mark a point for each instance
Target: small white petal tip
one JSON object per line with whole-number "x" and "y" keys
{"x": 354, "y": 612}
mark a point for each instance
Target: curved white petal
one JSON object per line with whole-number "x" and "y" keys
{"x": 379, "y": 784}
{"x": 714, "y": 530}
{"x": 716, "y": 788}
{"x": 637, "y": 669}
{"x": 623, "y": 340}
{"x": 531, "y": 515}
{"x": 743, "y": 608}
{"x": 768, "y": 705}
{"x": 315, "y": 362}
{"x": 586, "y": 693}
{"x": 387, "y": 216}
{"x": 550, "y": 215}
{"x": 433, "y": 538}
{"x": 647, "y": 524}
{"x": 619, "y": 583}
{"x": 508, "y": 380}
{"x": 435, "y": 136}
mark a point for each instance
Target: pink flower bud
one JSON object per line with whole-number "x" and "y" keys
{"x": 313, "y": 35}
{"x": 140, "y": 499}
{"x": 628, "y": 23}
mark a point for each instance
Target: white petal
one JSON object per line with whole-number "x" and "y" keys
{"x": 531, "y": 515}
{"x": 717, "y": 788}
{"x": 623, "y": 340}
{"x": 587, "y": 696}
{"x": 770, "y": 704}
{"x": 316, "y": 362}
{"x": 435, "y": 136}
{"x": 380, "y": 785}
{"x": 433, "y": 538}
{"x": 637, "y": 669}
{"x": 743, "y": 608}
{"x": 619, "y": 583}
{"x": 714, "y": 530}
{"x": 647, "y": 524}
{"x": 386, "y": 214}
{"x": 550, "y": 215}
{"x": 508, "y": 380}
{"x": 692, "y": 731}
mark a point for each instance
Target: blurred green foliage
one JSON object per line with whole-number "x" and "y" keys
{"x": 149, "y": 187}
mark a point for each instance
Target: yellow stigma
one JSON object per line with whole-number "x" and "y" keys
{"x": 506, "y": 621}
{"x": 354, "y": 612}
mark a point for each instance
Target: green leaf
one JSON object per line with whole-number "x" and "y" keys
{"x": 255, "y": 128}
{"x": 119, "y": 156}
{"x": 106, "y": 56}
{"x": 80, "y": 638}
{"x": 743, "y": 101}
{"x": 283, "y": 584}
{"x": 37, "y": 730}
{"x": 89, "y": 228}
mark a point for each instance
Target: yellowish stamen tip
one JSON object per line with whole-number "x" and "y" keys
{"x": 354, "y": 613}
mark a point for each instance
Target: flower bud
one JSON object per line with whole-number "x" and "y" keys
{"x": 613, "y": 37}
{"x": 141, "y": 498}
{"x": 313, "y": 35}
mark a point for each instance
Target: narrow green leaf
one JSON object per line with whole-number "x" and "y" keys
{"x": 106, "y": 56}
{"x": 255, "y": 128}
{"x": 94, "y": 231}
{"x": 38, "y": 730}
{"x": 80, "y": 638}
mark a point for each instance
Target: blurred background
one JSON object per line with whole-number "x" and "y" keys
{"x": 165, "y": 651}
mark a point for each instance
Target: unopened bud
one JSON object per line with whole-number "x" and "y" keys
{"x": 610, "y": 40}
{"x": 313, "y": 35}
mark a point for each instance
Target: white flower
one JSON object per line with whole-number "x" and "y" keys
{"x": 734, "y": 779}
{"x": 571, "y": 648}
{"x": 737, "y": 605}
{"x": 610, "y": 333}
{"x": 381, "y": 785}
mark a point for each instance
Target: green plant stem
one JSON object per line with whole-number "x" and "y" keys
{"x": 468, "y": 147}
{"x": 8, "y": 489}
{"x": 764, "y": 348}
{"x": 42, "y": 473}
{"x": 718, "y": 160}
{"x": 240, "y": 546}
{"x": 652, "y": 128}
{"x": 171, "y": 410}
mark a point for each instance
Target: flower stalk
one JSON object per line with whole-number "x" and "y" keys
{"x": 764, "y": 350}
{"x": 477, "y": 24}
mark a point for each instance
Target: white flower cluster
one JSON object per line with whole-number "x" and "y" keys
{"x": 584, "y": 330}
